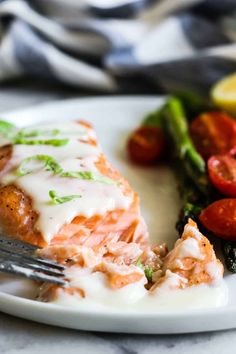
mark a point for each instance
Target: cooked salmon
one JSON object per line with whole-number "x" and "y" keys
{"x": 192, "y": 260}
{"x": 19, "y": 218}
{"x": 94, "y": 218}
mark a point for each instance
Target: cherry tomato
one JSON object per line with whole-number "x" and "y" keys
{"x": 146, "y": 145}
{"x": 213, "y": 133}
{"x": 220, "y": 218}
{"x": 222, "y": 173}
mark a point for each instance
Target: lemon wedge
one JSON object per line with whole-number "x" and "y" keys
{"x": 223, "y": 93}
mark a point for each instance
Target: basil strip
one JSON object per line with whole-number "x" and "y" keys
{"x": 50, "y": 164}
{"x": 148, "y": 271}
{"x": 87, "y": 175}
{"x": 54, "y": 142}
{"x": 33, "y": 133}
{"x": 55, "y": 199}
{"x": 5, "y": 126}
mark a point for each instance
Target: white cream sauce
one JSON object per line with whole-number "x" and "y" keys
{"x": 96, "y": 197}
{"x": 134, "y": 297}
{"x": 214, "y": 272}
{"x": 189, "y": 248}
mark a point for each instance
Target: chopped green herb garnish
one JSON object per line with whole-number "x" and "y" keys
{"x": 20, "y": 136}
{"x": 54, "y": 142}
{"x": 87, "y": 175}
{"x": 5, "y": 126}
{"x": 55, "y": 199}
{"x": 6, "y": 129}
{"x": 139, "y": 263}
{"x": 50, "y": 164}
{"x": 148, "y": 271}
{"x": 24, "y": 133}
{"x": 78, "y": 174}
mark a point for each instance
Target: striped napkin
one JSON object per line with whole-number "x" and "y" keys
{"x": 119, "y": 46}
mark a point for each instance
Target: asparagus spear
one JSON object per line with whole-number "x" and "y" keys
{"x": 193, "y": 202}
{"x": 188, "y": 164}
{"x": 194, "y": 104}
{"x": 175, "y": 123}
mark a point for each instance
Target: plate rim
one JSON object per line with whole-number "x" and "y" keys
{"x": 83, "y": 99}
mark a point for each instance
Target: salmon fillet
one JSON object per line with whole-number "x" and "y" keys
{"x": 18, "y": 217}
{"x": 112, "y": 243}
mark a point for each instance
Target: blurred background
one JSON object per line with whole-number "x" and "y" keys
{"x": 67, "y": 48}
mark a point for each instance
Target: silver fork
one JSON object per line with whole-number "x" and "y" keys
{"x": 18, "y": 257}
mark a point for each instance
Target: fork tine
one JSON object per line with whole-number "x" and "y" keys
{"x": 20, "y": 247}
{"x": 12, "y": 242}
{"x": 31, "y": 263}
{"x": 46, "y": 270}
{"x": 19, "y": 257}
{"x": 48, "y": 263}
{"x": 16, "y": 268}
{"x": 32, "y": 258}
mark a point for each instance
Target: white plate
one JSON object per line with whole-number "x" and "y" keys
{"x": 114, "y": 118}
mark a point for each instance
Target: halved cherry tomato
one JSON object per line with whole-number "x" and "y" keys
{"x": 146, "y": 145}
{"x": 213, "y": 133}
{"x": 220, "y": 218}
{"x": 222, "y": 173}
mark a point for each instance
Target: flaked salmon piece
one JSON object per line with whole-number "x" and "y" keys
{"x": 109, "y": 260}
{"x": 119, "y": 276}
{"x": 72, "y": 255}
{"x": 122, "y": 252}
{"x": 192, "y": 260}
{"x": 119, "y": 253}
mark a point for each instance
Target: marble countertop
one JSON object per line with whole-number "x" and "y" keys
{"x": 19, "y": 336}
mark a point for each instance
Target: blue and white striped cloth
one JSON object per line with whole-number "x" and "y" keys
{"x": 119, "y": 45}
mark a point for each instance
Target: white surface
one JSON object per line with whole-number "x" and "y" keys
{"x": 113, "y": 117}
